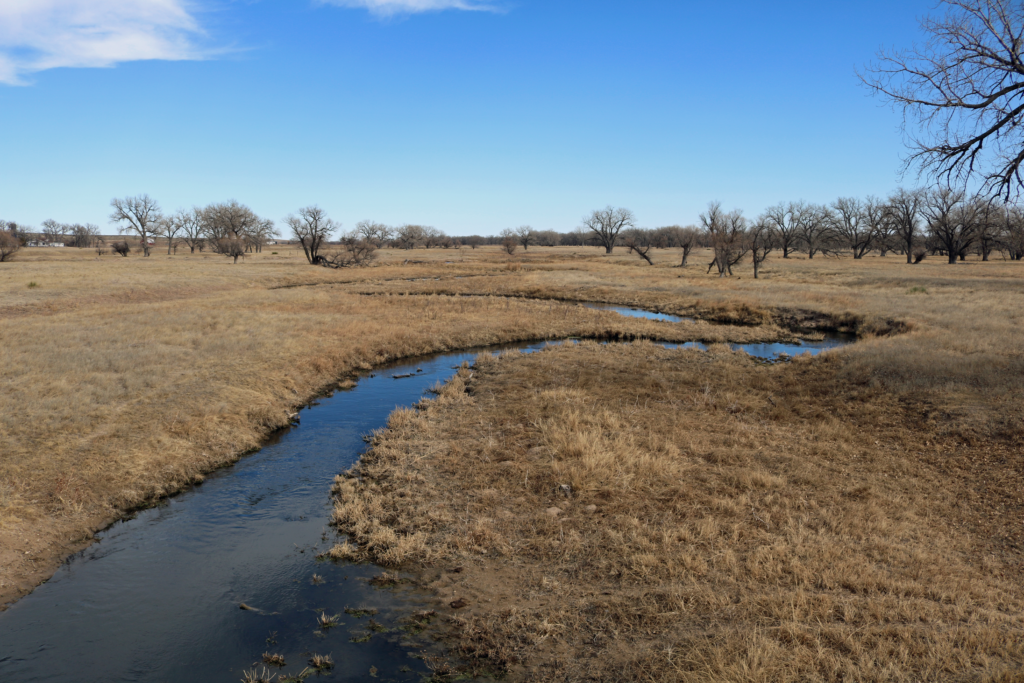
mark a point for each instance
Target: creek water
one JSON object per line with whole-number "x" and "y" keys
{"x": 158, "y": 597}
{"x": 770, "y": 351}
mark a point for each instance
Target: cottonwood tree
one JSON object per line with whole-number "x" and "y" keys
{"x": 850, "y": 223}
{"x": 685, "y": 239}
{"x": 192, "y": 227}
{"x": 726, "y": 234}
{"x": 1013, "y": 232}
{"x": 372, "y": 231}
{"x": 814, "y": 226}
{"x": 312, "y": 228}
{"x": 9, "y": 245}
{"x": 408, "y": 236}
{"x": 785, "y": 219}
{"x": 229, "y": 227}
{"x": 763, "y": 240}
{"x": 52, "y": 230}
{"x": 355, "y": 250}
{"x": 526, "y": 236}
{"x": 904, "y": 213}
{"x": 138, "y": 215}
{"x": 509, "y": 240}
{"x": 259, "y": 235}
{"x": 606, "y": 224}
{"x": 639, "y": 241}
{"x": 989, "y": 226}
{"x": 952, "y": 221}
{"x": 82, "y": 236}
{"x": 962, "y": 93}
{"x": 169, "y": 228}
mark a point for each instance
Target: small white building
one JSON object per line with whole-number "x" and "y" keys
{"x": 37, "y": 243}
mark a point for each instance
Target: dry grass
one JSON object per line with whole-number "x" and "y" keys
{"x": 626, "y": 512}
{"x": 127, "y": 379}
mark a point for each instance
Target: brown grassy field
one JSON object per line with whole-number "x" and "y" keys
{"x": 127, "y": 379}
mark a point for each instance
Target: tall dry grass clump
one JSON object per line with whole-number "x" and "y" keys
{"x": 626, "y": 512}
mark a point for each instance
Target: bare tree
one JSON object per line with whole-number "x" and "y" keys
{"x": 763, "y": 240}
{"x": 785, "y": 218}
{"x": 408, "y": 236}
{"x": 814, "y": 226}
{"x": 509, "y": 241}
{"x": 1013, "y": 232}
{"x": 83, "y": 236}
{"x": 138, "y": 215}
{"x": 952, "y": 221}
{"x": 686, "y": 239}
{"x": 169, "y": 228}
{"x": 526, "y": 236}
{"x": 9, "y": 244}
{"x": 312, "y": 228}
{"x": 53, "y": 231}
{"x": 639, "y": 241}
{"x": 606, "y": 224}
{"x": 355, "y": 250}
{"x": 432, "y": 237}
{"x": 193, "y": 227}
{"x": 726, "y": 233}
{"x": 989, "y": 226}
{"x": 372, "y": 231}
{"x": 904, "y": 213}
{"x": 850, "y": 221}
{"x": 963, "y": 93}
{"x": 259, "y": 235}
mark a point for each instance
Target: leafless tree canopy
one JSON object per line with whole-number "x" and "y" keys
{"x": 191, "y": 227}
{"x": 139, "y": 215}
{"x": 962, "y": 93}
{"x": 9, "y": 244}
{"x": 312, "y": 228}
{"x": 641, "y": 242}
{"x": 763, "y": 240}
{"x": 726, "y": 234}
{"x": 606, "y": 224}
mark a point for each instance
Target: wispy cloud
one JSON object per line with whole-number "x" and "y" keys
{"x": 44, "y": 34}
{"x": 389, "y": 8}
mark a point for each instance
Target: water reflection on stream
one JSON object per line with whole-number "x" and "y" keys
{"x": 157, "y": 598}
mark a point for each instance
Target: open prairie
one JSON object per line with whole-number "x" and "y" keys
{"x": 857, "y": 515}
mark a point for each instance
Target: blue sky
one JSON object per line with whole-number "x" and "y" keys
{"x": 449, "y": 113}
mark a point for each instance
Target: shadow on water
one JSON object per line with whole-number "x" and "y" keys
{"x": 158, "y": 597}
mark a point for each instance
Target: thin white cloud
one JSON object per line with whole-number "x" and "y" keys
{"x": 390, "y": 8}
{"x": 45, "y": 34}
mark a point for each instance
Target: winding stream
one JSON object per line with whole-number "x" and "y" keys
{"x": 157, "y": 597}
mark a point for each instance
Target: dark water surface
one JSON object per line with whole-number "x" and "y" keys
{"x": 157, "y": 598}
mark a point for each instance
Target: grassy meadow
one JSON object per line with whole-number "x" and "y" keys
{"x": 855, "y": 516}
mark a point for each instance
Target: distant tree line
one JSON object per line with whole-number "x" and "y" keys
{"x": 910, "y": 223}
